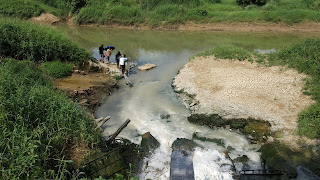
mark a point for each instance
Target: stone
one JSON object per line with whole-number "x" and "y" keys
{"x": 148, "y": 144}
{"x": 147, "y": 67}
{"x": 165, "y": 116}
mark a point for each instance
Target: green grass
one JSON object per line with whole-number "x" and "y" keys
{"x": 165, "y": 12}
{"x": 20, "y": 8}
{"x": 57, "y": 69}
{"x": 23, "y": 40}
{"x": 169, "y": 12}
{"x": 38, "y": 125}
{"x": 227, "y": 52}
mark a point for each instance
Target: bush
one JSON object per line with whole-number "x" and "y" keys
{"x": 23, "y": 40}
{"x": 312, "y": 4}
{"x": 57, "y": 69}
{"x": 20, "y": 8}
{"x": 38, "y": 125}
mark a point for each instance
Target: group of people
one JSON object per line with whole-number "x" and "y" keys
{"x": 119, "y": 58}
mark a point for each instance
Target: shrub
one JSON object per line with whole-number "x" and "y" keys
{"x": 20, "y": 8}
{"x": 57, "y": 69}
{"x": 23, "y": 40}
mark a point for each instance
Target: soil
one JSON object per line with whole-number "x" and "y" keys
{"x": 232, "y": 27}
{"x": 240, "y": 89}
{"x": 46, "y": 19}
{"x": 88, "y": 90}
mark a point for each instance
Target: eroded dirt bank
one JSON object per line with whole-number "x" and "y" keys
{"x": 89, "y": 88}
{"x": 234, "y": 89}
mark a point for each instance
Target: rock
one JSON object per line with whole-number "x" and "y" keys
{"x": 146, "y": 67}
{"x": 148, "y": 144}
{"x": 192, "y": 104}
{"x": 165, "y": 116}
{"x": 76, "y": 71}
{"x": 82, "y": 73}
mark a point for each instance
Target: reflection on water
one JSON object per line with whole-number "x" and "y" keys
{"x": 152, "y": 94}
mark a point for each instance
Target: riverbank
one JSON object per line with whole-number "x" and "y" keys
{"x": 89, "y": 88}
{"x": 241, "y": 89}
{"x": 311, "y": 27}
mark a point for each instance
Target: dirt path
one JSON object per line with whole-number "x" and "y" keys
{"x": 241, "y": 89}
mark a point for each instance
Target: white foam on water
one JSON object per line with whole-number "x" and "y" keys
{"x": 211, "y": 164}
{"x": 143, "y": 104}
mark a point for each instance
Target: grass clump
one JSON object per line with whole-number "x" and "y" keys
{"x": 23, "y": 40}
{"x": 227, "y": 52}
{"x": 305, "y": 57}
{"x": 39, "y": 126}
{"x": 57, "y": 69}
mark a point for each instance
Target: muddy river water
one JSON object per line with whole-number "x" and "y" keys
{"x": 152, "y": 95}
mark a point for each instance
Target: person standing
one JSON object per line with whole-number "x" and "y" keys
{"x": 118, "y": 55}
{"x": 122, "y": 61}
{"x": 108, "y": 55}
{"x": 101, "y": 52}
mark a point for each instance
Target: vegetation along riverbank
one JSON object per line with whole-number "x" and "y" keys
{"x": 231, "y": 86}
{"x": 44, "y": 134}
{"x": 167, "y": 13}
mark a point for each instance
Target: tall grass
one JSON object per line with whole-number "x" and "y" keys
{"x": 171, "y": 12}
{"x": 23, "y": 40}
{"x": 20, "y": 8}
{"x": 38, "y": 125}
{"x": 132, "y": 12}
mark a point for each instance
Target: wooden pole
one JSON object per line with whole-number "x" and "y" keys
{"x": 114, "y": 135}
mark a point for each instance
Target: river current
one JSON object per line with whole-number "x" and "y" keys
{"x": 152, "y": 95}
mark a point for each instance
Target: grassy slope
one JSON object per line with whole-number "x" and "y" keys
{"x": 23, "y": 40}
{"x": 166, "y": 12}
{"x": 39, "y": 126}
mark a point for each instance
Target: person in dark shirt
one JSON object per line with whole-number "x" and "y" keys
{"x": 101, "y": 52}
{"x": 118, "y": 55}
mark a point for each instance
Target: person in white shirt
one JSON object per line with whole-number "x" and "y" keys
{"x": 122, "y": 61}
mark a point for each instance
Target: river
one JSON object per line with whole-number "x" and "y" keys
{"x": 152, "y": 94}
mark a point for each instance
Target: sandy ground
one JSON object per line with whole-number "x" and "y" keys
{"x": 242, "y": 89}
